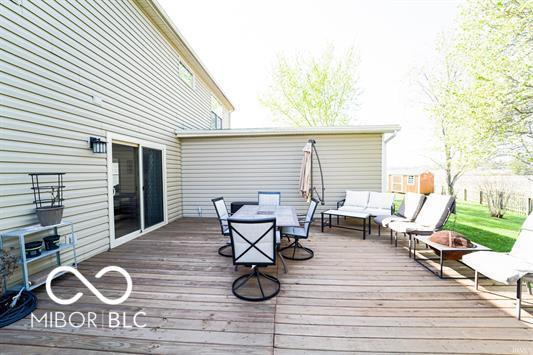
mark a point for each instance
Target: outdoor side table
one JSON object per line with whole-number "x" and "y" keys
{"x": 441, "y": 251}
{"x": 357, "y": 215}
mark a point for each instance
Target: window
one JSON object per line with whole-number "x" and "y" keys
{"x": 186, "y": 75}
{"x": 216, "y": 121}
{"x": 410, "y": 180}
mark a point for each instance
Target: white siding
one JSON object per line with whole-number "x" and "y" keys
{"x": 238, "y": 167}
{"x": 55, "y": 56}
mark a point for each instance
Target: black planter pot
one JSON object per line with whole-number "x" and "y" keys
{"x": 49, "y": 216}
{"x": 33, "y": 249}
{"x": 51, "y": 242}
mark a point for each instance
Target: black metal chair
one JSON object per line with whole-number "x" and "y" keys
{"x": 269, "y": 198}
{"x": 223, "y": 215}
{"x": 254, "y": 244}
{"x": 295, "y": 250}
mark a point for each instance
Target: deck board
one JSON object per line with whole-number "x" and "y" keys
{"x": 354, "y": 296}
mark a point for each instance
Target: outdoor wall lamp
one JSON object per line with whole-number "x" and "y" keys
{"x": 97, "y": 145}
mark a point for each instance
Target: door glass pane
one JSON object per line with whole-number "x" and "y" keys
{"x": 152, "y": 186}
{"x": 126, "y": 203}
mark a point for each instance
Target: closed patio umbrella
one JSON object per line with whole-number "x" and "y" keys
{"x": 306, "y": 173}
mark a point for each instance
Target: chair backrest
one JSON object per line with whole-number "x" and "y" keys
{"x": 356, "y": 198}
{"x": 382, "y": 200}
{"x": 523, "y": 247}
{"x": 435, "y": 211}
{"x": 270, "y": 198}
{"x": 309, "y": 216}
{"x": 253, "y": 241}
{"x": 222, "y": 213}
{"x": 411, "y": 205}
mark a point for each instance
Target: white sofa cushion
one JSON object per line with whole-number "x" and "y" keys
{"x": 500, "y": 267}
{"x": 377, "y": 211}
{"x": 381, "y": 200}
{"x": 356, "y": 198}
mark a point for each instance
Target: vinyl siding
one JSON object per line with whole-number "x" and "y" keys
{"x": 56, "y": 56}
{"x": 238, "y": 167}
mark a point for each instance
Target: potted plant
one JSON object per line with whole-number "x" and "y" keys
{"x": 48, "y": 198}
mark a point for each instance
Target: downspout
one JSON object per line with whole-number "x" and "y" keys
{"x": 384, "y": 159}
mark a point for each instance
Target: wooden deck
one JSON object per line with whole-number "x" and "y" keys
{"x": 354, "y": 296}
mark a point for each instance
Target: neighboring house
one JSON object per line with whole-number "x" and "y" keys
{"x": 119, "y": 71}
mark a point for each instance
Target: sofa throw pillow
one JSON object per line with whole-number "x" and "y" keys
{"x": 356, "y": 198}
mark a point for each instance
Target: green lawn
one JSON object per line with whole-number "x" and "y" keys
{"x": 475, "y": 223}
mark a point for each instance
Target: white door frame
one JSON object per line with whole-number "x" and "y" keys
{"x": 118, "y": 138}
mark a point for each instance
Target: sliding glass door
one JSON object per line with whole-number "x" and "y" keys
{"x": 137, "y": 187}
{"x": 153, "y": 186}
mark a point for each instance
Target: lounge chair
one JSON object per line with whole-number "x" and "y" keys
{"x": 409, "y": 208}
{"x": 223, "y": 215}
{"x": 254, "y": 244}
{"x": 510, "y": 268}
{"x": 269, "y": 198}
{"x": 431, "y": 218}
{"x": 295, "y": 249}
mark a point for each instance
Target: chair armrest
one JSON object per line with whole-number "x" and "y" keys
{"x": 341, "y": 203}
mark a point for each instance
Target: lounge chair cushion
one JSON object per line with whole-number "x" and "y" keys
{"x": 356, "y": 198}
{"x": 381, "y": 200}
{"x": 411, "y": 205}
{"x": 385, "y": 220}
{"x": 435, "y": 211}
{"x": 500, "y": 267}
{"x": 378, "y": 211}
{"x": 408, "y": 227}
{"x": 298, "y": 231}
{"x": 351, "y": 209}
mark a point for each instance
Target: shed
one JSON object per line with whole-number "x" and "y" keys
{"x": 423, "y": 183}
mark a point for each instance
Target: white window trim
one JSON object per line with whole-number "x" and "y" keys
{"x": 119, "y": 138}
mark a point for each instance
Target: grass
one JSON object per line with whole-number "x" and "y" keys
{"x": 475, "y": 223}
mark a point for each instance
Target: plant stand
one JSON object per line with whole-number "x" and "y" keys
{"x": 32, "y": 281}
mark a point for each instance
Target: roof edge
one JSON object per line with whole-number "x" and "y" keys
{"x": 251, "y": 132}
{"x": 153, "y": 10}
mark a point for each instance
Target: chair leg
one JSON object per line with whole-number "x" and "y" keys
{"x": 518, "y": 298}
{"x": 476, "y": 279}
{"x": 529, "y": 288}
{"x": 379, "y": 230}
{"x": 293, "y": 248}
{"x": 225, "y": 250}
{"x": 391, "y": 236}
{"x": 255, "y": 274}
{"x": 285, "y": 270}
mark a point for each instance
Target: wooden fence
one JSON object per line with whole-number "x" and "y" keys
{"x": 518, "y": 203}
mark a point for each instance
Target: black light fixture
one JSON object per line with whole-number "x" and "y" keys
{"x": 97, "y": 145}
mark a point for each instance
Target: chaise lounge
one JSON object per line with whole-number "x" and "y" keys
{"x": 409, "y": 209}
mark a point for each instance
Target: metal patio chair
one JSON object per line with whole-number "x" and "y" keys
{"x": 270, "y": 198}
{"x": 254, "y": 244}
{"x": 295, "y": 250}
{"x": 223, "y": 215}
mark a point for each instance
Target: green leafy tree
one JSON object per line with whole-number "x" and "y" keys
{"x": 494, "y": 46}
{"x": 457, "y": 145}
{"x": 314, "y": 92}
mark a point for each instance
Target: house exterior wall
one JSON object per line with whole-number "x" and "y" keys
{"x": 238, "y": 167}
{"x": 72, "y": 70}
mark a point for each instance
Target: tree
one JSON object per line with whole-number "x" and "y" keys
{"x": 314, "y": 91}
{"x": 493, "y": 45}
{"x": 458, "y": 143}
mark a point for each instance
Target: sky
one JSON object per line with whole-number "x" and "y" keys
{"x": 239, "y": 40}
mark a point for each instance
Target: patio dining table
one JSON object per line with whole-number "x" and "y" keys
{"x": 285, "y": 217}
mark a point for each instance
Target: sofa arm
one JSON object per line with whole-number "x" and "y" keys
{"x": 340, "y": 203}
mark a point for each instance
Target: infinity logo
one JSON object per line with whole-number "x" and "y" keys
{"x": 89, "y": 285}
